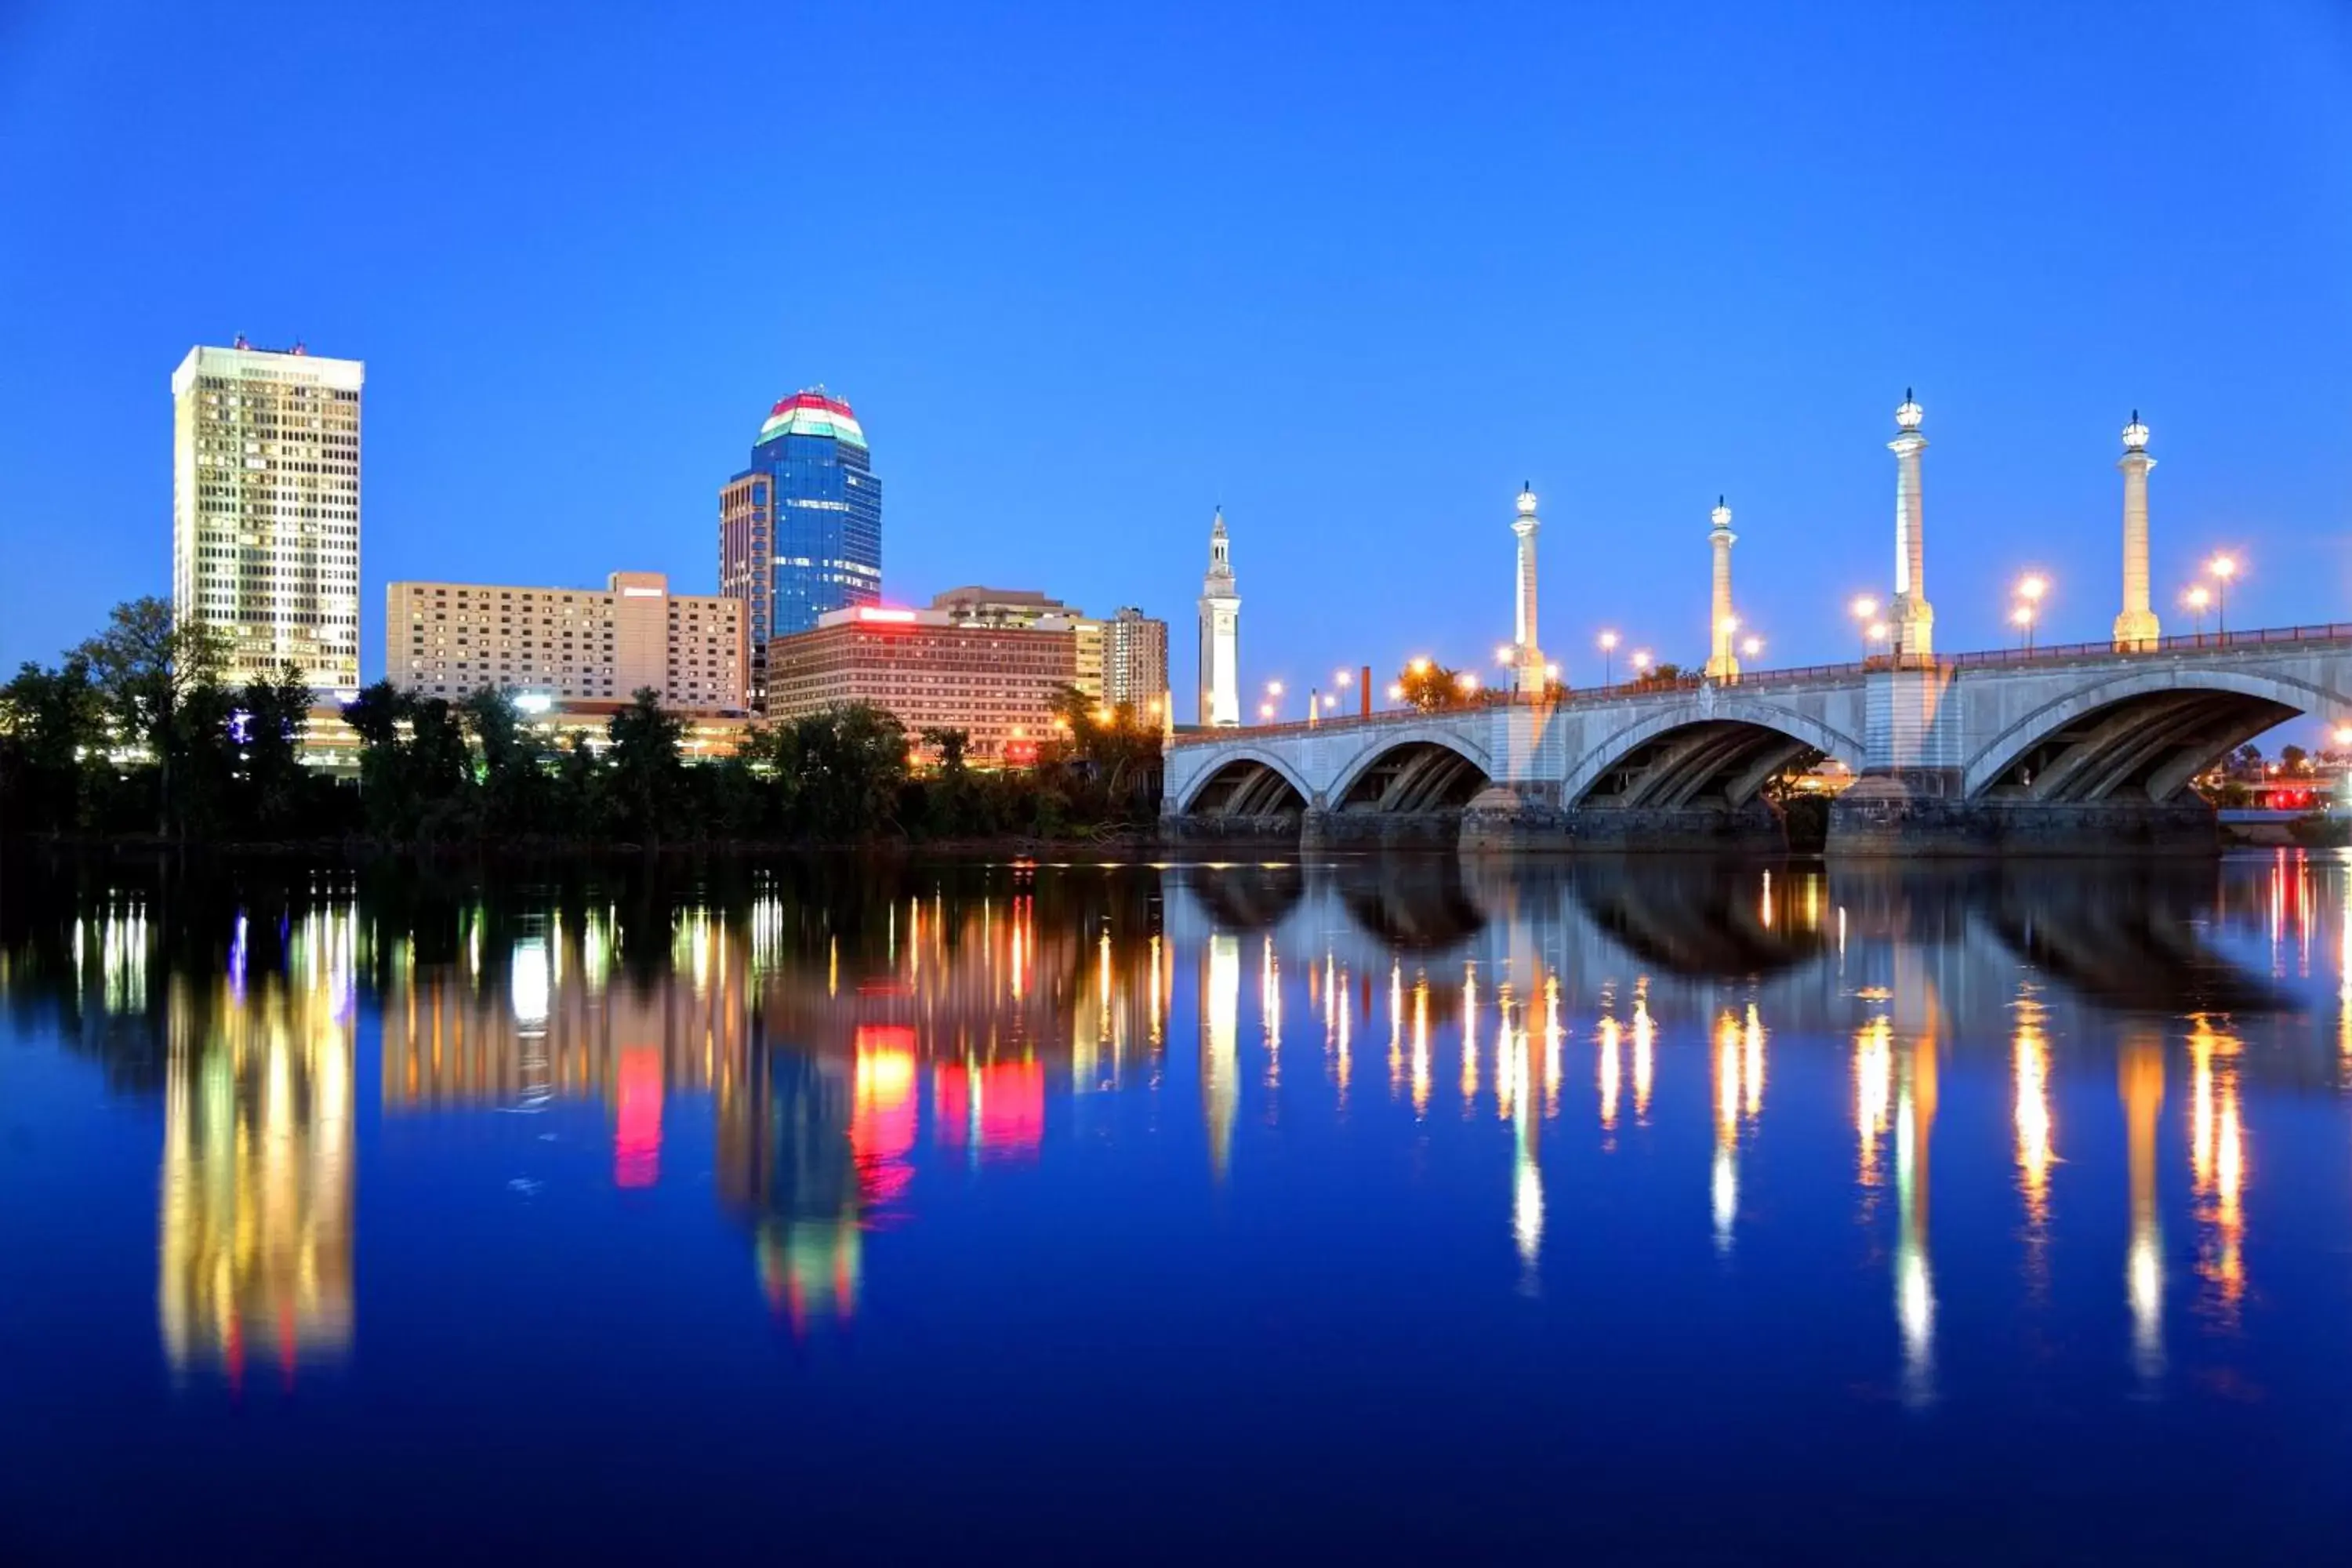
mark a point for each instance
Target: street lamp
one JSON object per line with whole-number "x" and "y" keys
{"x": 1503, "y": 655}
{"x": 1864, "y": 610}
{"x": 2021, "y": 618}
{"x": 2199, "y": 599}
{"x": 1274, "y": 689}
{"x": 1468, "y": 682}
{"x": 2224, "y": 568}
{"x": 2032, "y": 587}
{"x": 1419, "y": 667}
{"x": 1641, "y": 663}
{"x": 1551, "y": 673}
{"x": 1608, "y": 658}
{"x": 1752, "y": 649}
{"x": 1396, "y": 690}
{"x": 1265, "y": 711}
{"x": 1876, "y": 632}
{"x": 1341, "y": 678}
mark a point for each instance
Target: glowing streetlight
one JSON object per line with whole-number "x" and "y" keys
{"x": 1330, "y": 701}
{"x": 1551, "y": 673}
{"x": 2021, "y": 618}
{"x": 1265, "y": 711}
{"x": 1503, "y": 653}
{"x": 1877, "y": 631}
{"x": 1608, "y": 658}
{"x": 2224, "y": 568}
{"x": 1419, "y": 667}
{"x": 1341, "y": 678}
{"x": 1641, "y": 662}
{"x": 1396, "y": 690}
{"x": 1467, "y": 681}
{"x": 1274, "y": 689}
{"x": 2199, "y": 599}
{"x": 1752, "y": 648}
{"x": 2032, "y": 587}
{"x": 2344, "y": 737}
{"x": 1864, "y": 610}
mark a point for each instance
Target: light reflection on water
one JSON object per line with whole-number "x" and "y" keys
{"x": 840, "y": 1081}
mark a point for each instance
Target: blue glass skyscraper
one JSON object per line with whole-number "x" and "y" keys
{"x": 800, "y": 530}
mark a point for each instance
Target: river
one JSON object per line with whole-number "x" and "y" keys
{"x": 1374, "y": 1207}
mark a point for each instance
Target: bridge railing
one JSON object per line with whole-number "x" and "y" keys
{"x": 2186, "y": 642}
{"x": 1586, "y": 696}
{"x": 1804, "y": 674}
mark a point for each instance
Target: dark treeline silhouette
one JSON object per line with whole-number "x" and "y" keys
{"x": 133, "y": 734}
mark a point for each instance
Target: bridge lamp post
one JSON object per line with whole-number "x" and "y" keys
{"x": 1864, "y": 610}
{"x": 1641, "y": 662}
{"x": 1608, "y": 658}
{"x": 1876, "y": 632}
{"x": 2031, "y": 590}
{"x": 1396, "y": 690}
{"x": 1751, "y": 647}
{"x": 2224, "y": 568}
{"x": 2198, "y": 599}
{"x": 1265, "y": 711}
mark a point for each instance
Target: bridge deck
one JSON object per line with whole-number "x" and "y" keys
{"x": 2272, "y": 638}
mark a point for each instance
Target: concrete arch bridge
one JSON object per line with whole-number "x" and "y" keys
{"x": 2070, "y": 749}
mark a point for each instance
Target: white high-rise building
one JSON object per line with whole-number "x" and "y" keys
{"x": 265, "y": 510}
{"x": 1220, "y": 634}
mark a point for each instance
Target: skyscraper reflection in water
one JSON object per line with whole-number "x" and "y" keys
{"x": 255, "y": 1251}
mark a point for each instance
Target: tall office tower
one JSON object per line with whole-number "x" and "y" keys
{"x": 1135, "y": 662}
{"x": 265, "y": 510}
{"x": 799, "y": 530}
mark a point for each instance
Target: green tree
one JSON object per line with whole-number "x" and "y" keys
{"x": 52, "y": 731}
{"x": 848, "y": 765}
{"x": 2292, "y": 759}
{"x": 645, "y": 768}
{"x": 149, "y": 665}
{"x": 514, "y": 773}
{"x": 271, "y": 715}
{"x": 1431, "y": 687}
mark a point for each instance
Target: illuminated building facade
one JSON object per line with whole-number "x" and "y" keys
{"x": 265, "y": 510}
{"x": 1135, "y": 662}
{"x": 997, "y": 684}
{"x": 1026, "y": 608}
{"x": 799, "y": 530}
{"x": 569, "y": 645}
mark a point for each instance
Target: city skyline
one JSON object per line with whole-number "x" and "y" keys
{"x": 1725, "y": 308}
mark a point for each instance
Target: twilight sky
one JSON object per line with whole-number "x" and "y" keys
{"x": 1355, "y": 270}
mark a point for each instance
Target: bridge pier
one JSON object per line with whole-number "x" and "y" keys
{"x": 1882, "y": 824}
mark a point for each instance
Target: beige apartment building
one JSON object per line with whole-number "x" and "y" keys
{"x": 996, "y": 683}
{"x": 569, "y": 645}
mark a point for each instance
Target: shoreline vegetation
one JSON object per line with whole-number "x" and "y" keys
{"x": 134, "y": 741}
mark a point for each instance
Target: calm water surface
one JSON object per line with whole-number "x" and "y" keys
{"x": 1383, "y": 1208}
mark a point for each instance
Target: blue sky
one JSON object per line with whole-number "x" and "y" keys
{"x": 1354, "y": 270}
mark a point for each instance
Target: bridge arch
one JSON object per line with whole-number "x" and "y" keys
{"x": 1725, "y": 745}
{"x": 1246, "y": 781}
{"x": 2151, "y": 730}
{"x": 1412, "y": 767}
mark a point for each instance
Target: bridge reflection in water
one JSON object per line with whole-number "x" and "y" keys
{"x": 851, "y": 1043}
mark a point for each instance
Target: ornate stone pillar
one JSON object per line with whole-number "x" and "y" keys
{"x": 2137, "y": 625}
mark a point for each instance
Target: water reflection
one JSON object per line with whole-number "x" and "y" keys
{"x": 842, "y": 1040}
{"x": 254, "y": 1257}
